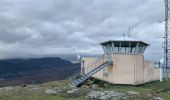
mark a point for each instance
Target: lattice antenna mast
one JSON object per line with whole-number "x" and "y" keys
{"x": 166, "y": 33}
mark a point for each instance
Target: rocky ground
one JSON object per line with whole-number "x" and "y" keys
{"x": 92, "y": 90}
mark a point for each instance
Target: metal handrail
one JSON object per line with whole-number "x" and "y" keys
{"x": 94, "y": 62}
{"x": 92, "y": 66}
{"x": 78, "y": 72}
{"x": 75, "y": 74}
{"x": 98, "y": 60}
{"x": 91, "y": 63}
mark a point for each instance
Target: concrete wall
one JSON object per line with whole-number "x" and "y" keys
{"x": 139, "y": 69}
{"x": 126, "y": 69}
{"x": 150, "y": 72}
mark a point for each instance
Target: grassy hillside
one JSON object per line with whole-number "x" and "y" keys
{"x": 60, "y": 90}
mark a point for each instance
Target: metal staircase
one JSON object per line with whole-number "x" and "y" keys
{"x": 78, "y": 78}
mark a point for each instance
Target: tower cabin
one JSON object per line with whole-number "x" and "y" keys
{"x": 124, "y": 45}
{"x": 122, "y": 63}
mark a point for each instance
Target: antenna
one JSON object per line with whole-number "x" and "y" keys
{"x": 166, "y": 42}
{"x": 166, "y": 33}
{"x": 123, "y": 34}
{"x": 129, "y": 31}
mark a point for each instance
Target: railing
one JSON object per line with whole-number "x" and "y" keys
{"x": 89, "y": 67}
{"x": 75, "y": 75}
{"x": 96, "y": 63}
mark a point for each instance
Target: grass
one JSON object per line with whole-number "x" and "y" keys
{"x": 147, "y": 91}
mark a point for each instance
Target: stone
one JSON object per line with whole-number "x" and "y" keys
{"x": 54, "y": 91}
{"x": 94, "y": 86}
{"x": 23, "y": 85}
{"x": 133, "y": 93}
{"x": 72, "y": 91}
{"x": 85, "y": 86}
{"x": 57, "y": 89}
{"x": 104, "y": 95}
{"x": 157, "y": 98}
{"x": 72, "y": 86}
{"x": 8, "y": 88}
{"x": 32, "y": 87}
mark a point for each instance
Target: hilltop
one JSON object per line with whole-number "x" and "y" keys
{"x": 93, "y": 90}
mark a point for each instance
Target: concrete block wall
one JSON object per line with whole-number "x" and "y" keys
{"x": 126, "y": 69}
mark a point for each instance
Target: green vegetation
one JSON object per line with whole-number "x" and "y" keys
{"x": 37, "y": 92}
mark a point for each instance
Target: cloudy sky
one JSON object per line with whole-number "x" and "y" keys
{"x": 31, "y": 28}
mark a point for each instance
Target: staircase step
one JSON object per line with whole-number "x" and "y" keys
{"x": 77, "y": 81}
{"x": 73, "y": 83}
{"x": 84, "y": 76}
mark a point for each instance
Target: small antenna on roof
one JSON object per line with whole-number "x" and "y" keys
{"x": 129, "y": 31}
{"x": 123, "y": 34}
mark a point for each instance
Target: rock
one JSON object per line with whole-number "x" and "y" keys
{"x": 94, "y": 86}
{"x": 89, "y": 82}
{"x": 157, "y": 98}
{"x": 52, "y": 91}
{"x": 33, "y": 87}
{"x": 104, "y": 95}
{"x": 64, "y": 87}
{"x": 148, "y": 89}
{"x": 72, "y": 86}
{"x": 23, "y": 85}
{"x": 72, "y": 91}
{"x": 8, "y": 88}
{"x": 57, "y": 89}
{"x": 85, "y": 86}
{"x": 133, "y": 93}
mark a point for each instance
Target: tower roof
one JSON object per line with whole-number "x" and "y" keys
{"x": 125, "y": 39}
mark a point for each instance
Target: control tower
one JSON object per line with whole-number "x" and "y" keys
{"x": 122, "y": 63}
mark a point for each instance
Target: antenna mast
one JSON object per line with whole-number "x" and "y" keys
{"x": 129, "y": 31}
{"x": 166, "y": 34}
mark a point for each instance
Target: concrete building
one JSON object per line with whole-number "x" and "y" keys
{"x": 122, "y": 63}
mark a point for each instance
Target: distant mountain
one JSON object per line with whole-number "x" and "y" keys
{"x": 20, "y": 71}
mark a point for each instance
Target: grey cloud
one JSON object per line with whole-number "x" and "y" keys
{"x": 30, "y": 28}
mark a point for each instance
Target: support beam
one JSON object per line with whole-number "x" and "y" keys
{"x": 137, "y": 47}
{"x": 113, "y": 47}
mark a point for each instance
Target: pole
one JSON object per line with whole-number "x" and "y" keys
{"x": 166, "y": 33}
{"x": 129, "y": 31}
{"x": 165, "y": 65}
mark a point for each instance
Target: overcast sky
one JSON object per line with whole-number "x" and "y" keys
{"x": 31, "y": 28}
